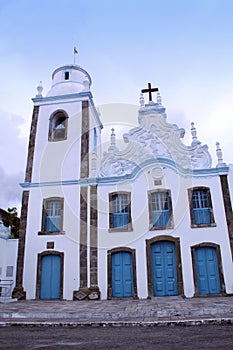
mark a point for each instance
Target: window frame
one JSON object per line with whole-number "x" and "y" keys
{"x": 52, "y": 120}
{"x": 129, "y": 225}
{"x": 171, "y": 221}
{"x": 192, "y": 219}
{"x": 44, "y": 215}
{"x": 66, "y": 75}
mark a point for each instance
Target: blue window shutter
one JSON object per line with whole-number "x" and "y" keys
{"x": 201, "y": 216}
{"x": 53, "y": 215}
{"x": 120, "y": 211}
{"x": 52, "y": 223}
{"x": 120, "y": 220}
{"x": 160, "y": 209}
{"x": 160, "y": 217}
{"x": 201, "y": 207}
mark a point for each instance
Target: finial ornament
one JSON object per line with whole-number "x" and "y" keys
{"x": 193, "y": 131}
{"x": 142, "y": 100}
{"x": 113, "y": 137}
{"x": 39, "y": 90}
{"x": 159, "y": 99}
{"x": 194, "y": 135}
{"x": 219, "y": 155}
{"x": 86, "y": 84}
{"x": 112, "y": 146}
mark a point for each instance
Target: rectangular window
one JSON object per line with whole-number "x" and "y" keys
{"x": 120, "y": 211}
{"x": 52, "y": 215}
{"x": 9, "y": 271}
{"x": 200, "y": 207}
{"x": 160, "y": 209}
{"x": 67, "y": 75}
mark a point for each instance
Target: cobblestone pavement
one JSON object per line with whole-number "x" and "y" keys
{"x": 162, "y": 310}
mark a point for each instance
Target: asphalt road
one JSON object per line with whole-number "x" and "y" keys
{"x": 129, "y": 337}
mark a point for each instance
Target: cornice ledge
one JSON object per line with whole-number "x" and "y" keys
{"x": 62, "y": 97}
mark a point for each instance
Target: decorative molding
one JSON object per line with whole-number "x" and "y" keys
{"x": 157, "y": 173}
{"x": 136, "y": 172}
{"x": 45, "y": 100}
{"x": 153, "y": 139}
{"x": 69, "y": 98}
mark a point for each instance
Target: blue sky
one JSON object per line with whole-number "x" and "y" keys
{"x": 183, "y": 47}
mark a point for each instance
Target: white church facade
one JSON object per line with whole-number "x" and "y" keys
{"x": 153, "y": 218}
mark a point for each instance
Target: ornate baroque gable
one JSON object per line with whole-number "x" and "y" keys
{"x": 154, "y": 140}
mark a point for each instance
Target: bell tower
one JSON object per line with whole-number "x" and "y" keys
{"x": 58, "y": 233}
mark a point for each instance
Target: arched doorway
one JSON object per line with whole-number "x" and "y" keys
{"x": 50, "y": 276}
{"x": 122, "y": 273}
{"x": 164, "y": 270}
{"x": 164, "y": 266}
{"x": 207, "y": 276}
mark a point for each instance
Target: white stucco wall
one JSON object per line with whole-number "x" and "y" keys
{"x": 8, "y": 257}
{"x": 54, "y": 161}
{"x": 67, "y": 243}
{"x": 182, "y": 228}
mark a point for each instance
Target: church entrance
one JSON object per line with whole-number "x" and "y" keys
{"x": 164, "y": 268}
{"x": 122, "y": 275}
{"x": 50, "y": 277}
{"x": 207, "y": 271}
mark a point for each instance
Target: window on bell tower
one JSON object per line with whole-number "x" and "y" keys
{"x": 67, "y": 75}
{"x": 58, "y": 126}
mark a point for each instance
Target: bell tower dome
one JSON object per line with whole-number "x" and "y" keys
{"x": 69, "y": 79}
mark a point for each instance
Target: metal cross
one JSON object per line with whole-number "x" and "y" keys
{"x": 149, "y": 90}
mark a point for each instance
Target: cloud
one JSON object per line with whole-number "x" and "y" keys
{"x": 10, "y": 189}
{"x": 13, "y": 151}
{"x": 13, "y": 147}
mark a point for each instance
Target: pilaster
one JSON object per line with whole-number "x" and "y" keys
{"x": 18, "y": 291}
{"x": 228, "y": 208}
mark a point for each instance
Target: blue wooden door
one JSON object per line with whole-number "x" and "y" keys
{"x": 50, "y": 277}
{"x": 164, "y": 269}
{"x": 207, "y": 271}
{"x": 122, "y": 275}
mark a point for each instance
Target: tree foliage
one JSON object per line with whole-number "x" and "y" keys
{"x": 11, "y": 219}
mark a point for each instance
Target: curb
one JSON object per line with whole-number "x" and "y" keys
{"x": 182, "y": 322}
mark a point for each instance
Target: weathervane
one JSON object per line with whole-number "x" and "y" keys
{"x": 75, "y": 53}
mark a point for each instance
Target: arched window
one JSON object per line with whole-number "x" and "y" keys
{"x": 58, "y": 126}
